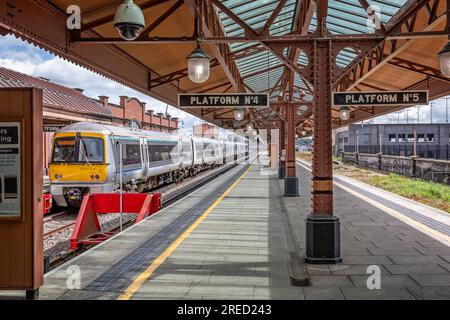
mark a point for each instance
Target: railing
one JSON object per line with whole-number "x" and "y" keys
{"x": 415, "y": 167}
{"x": 428, "y": 151}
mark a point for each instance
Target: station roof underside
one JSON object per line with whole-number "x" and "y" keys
{"x": 253, "y": 48}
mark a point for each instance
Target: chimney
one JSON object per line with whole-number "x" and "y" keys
{"x": 104, "y": 100}
{"x": 123, "y": 101}
{"x": 45, "y": 79}
{"x": 79, "y": 90}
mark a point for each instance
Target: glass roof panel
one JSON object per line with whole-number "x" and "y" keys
{"x": 344, "y": 17}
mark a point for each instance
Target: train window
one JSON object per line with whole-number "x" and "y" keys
{"x": 131, "y": 154}
{"x": 78, "y": 150}
{"x": 90, "y": 150}
{"x": 186, "y": 148}
{"x": 209, "y": 149}
{"x": 161, "y": 152}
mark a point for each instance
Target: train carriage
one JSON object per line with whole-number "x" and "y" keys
{"x": 89, "y": 157}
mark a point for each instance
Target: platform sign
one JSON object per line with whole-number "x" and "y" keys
{"x": 381, "y": 98}
{"x": 223, "y": 100}
{"x": 10, "y": 169}
{"x": 53, "y": 127}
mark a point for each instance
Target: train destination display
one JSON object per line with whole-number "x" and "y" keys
{"x": 9, "y": 169}
{"x": 231, "y": 100}
{"x": 383, "y": 98}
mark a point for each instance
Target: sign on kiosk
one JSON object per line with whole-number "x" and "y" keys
{"x": 10, "y": 169}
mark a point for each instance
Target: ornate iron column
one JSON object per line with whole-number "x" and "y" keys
{"x": 290, "y": 181}
{"x": 322, "y": 228}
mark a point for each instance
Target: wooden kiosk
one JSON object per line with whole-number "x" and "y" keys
{"x": 21, "y": 175}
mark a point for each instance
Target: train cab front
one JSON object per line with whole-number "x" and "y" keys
{"x": 78, "y": 166}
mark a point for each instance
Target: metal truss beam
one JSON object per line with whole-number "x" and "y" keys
{"x": 211, "y": 26}
{"x": 395, "y": 42}
{"x": 177, "y": 75}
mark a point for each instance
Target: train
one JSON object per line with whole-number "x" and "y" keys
{"x": 96, "y": 158}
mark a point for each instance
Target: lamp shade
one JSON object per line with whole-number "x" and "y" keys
{"x": 444, "y": 57}
{"x": 344, "y": 113}
{"x": 198, "y": 65}
{"x": 239, "y": 114}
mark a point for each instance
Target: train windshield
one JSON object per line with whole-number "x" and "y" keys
{"x": 78, "y": 150}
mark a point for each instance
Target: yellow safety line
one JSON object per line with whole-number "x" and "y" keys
{"x": 147, "y": 273}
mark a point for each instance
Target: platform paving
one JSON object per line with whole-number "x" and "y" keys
{"x": 251, "y": 246}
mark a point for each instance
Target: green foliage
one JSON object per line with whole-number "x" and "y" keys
{"x": 433, "y": 194}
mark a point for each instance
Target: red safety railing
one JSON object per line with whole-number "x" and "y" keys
{"x": 87, "y": 228}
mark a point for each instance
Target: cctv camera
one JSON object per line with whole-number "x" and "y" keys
{"x": 129, "y": 20}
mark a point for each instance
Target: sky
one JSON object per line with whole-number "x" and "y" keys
{"x": 21, "y": 56}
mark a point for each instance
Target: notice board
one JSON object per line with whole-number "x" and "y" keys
{"x": 21, "y": 188}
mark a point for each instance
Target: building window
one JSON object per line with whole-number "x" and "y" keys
{"x": 392, "y": 138}
{"x": 430, "y": 137}
{"x": 410, "y": 137}
{"x": 401, "y": 138}
{"x": 421, "y": 137}
{"x": 346, "y": 139}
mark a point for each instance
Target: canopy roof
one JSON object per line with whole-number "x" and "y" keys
{"x": 253, "y": 48}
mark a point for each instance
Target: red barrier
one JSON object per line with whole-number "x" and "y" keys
{"x": 87, "y": 229}
{"x": 47, "y": 202}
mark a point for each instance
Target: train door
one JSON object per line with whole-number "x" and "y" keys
{"x": 145, "y": 161}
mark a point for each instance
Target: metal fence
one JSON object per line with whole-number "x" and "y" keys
{"x": 441, "y": 152}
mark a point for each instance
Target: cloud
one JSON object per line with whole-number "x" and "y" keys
{"x": 29, "y": 59}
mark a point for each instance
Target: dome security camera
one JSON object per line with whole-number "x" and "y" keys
{"x": 129, "y": 20}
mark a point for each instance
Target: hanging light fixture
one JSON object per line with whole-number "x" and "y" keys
{"x": 444, "y": 57}
{"x": 239, "y": 114}
{"x": 303, "y": 133}
{"x": 344, "y": 113}
{"x": 250, "y": 126}
{"x": 198, "y": 65}
{"x": 129, "y": 20}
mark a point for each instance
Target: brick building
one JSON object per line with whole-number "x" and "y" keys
{"x": 63, "y": 106}
{"x": 131, "y": 109}
{"x": 206, "y": 131}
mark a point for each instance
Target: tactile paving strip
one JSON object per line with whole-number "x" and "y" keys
{"x": 119, "y": 276}
{"x": 430, "y": 222}
{"x": 434, "y": 224}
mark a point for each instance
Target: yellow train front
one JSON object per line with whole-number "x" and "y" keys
{"x": 80, "y": 164}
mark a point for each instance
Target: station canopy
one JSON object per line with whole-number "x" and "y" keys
{"x": 252, "y": 49}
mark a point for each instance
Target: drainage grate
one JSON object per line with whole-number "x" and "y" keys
{"x": 119, "y": 276}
